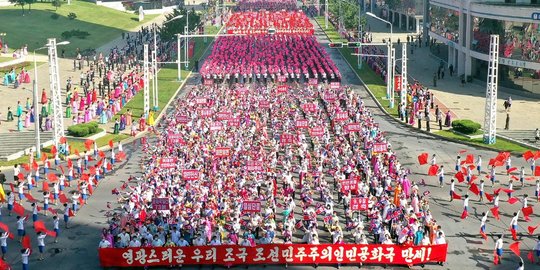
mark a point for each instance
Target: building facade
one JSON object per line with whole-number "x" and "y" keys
{"x": 461, "y": 30}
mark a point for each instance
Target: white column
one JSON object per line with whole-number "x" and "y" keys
{"x": 146, "y": 83}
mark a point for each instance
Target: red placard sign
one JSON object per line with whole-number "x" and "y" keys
{"x": 397, "y": 83}
{"x": 264, "y": 104}
{"x": 174, "y": 138}
{"x": 182, "y": 119}
{"x": 273, "y": 254}
{"x": 309, "y": 107}
{"x": 349, "y": 184}
{"x": 254, "y": 166}
{"x": 190, "y": 175}
{"x": 207, "y": 112}
{"x": 341, "y": 116}
{"x": 234, "y": 122}
{"x": 168, "y": 162}
{"x": 223, "y": 115}
{"x": 317, "y": 131}
{"x": 281, "y": 78}
{"x": 302, "y": 123}
{"x": 352, "y": 127}
{"x": 335, "y": 85}
{"x": 359, "y": 204}
{"x": 286, "y": 138}
{"x": 216, "y": 126}
{"x": 380, "y": 147}
{"x": 223, "y": 152}
{"x": 251, "y": 207}
{"x": 200, "y": 101}
{"x": 282, "y": 89}
{"x": 329, "y": 96}
{"x": 160, "y": 204}
{"x": 313, "y": 81}
{"x": 208, "y": 81}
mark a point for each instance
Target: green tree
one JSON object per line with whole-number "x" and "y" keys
{"x": 169, "y": 30}
{"x": 56, "y": 4}
{"x": 19, "y": 3}
{"x": 348, "y": 13}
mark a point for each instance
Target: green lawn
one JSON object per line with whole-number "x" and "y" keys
{"x": 500, "y": 144}
{"x": 5, "y": 59}
{"x": 103, "y": 24}
{"x": 374, "y": 82}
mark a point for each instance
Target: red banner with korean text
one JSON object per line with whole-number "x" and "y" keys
{"x": 397, "y": 83}
{"x": 335, "y": 85}
{"x": 190, "y": 175}
{"x": 380, "y": 147}
{"x": 160, "y": 204}
{"x": 272, "y": 254}
{"x": 223, "y": 152}
{"x": 359, "y": 204}
{"x": 313, "y": 81}
{"x": 168, "y": 162}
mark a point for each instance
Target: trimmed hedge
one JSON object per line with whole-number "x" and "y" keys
{"x": 83, "y": 130}
{"x": 465, "y": 126}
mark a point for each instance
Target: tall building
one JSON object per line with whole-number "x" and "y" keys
{"x": 460, "y": 30}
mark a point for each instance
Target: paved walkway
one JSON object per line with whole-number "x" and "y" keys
{"x": 468, "y": 101}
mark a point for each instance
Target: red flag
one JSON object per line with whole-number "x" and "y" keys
{"x": 62, "y": 169}
{"x": 101, "y": 154}
{"x": 142, "y": 215}
{"x": 422, "y": 158}
{"x": 456, "y": 196}
{"x": 528, "y": 155}
{"x": 109, "y": 167}
{"x": 4, "y": 227}
{"x": 433, "y": 170}
{"x": 29, "y": 197}
{"x": 45, "y": 186}
{"x": 121, "y": 155}
{"x": 77, "y": 152}
{"x": 90, "y": 189}
{"x": 491, "y": 162}
{"x": 11, "y": 187}
{"x": 512, "y": 200}
{"x": 51, "y": 233}
{"x": 465, "y": 214}
{"x": 26, "y": 167}
{"x": 511, "y": 170}
{"x": 81, "y": 201}
{"x": 460, "y": 177}
{"x": 495, "y": 258}
{"x": 474, "y": 189}
{"x": 537, "y": 154}
{"x": 495, "y": 212}
{"x": 26, "y": 242}
{"x": 483, "y": 234}
{"x": 537, "y": 171}
{"x": 43, "y": 157}
{"x": 530, "y": 256}
{"x": 527, "y": 211}
{"x": 35, "y": 166}
{"x": 111, "y": 144}
{"x": 469, "y": 159}
{"x": 52, "y": 177}
{"x": 17, "y": 208}
{"x": 474, "y": 177}
{"x": 63, "y": 198}
{"x": 39, "y": 226}
{"x": 69, "y": 163}
{"x": 70, "y": 213}
{"x": 489, "y": 197}
{"x": 515, "y": 248}
{"x": 88, "y": 144}
{"x": 53, "y": 150}
{"x": 514, "y": 234}
{"x": 63, "y": 140}
{"x": 531, "y": 229}
{"x": 52, "y": 211}
{"x": 21, "y": 176}
{"x": 93, "y": 170}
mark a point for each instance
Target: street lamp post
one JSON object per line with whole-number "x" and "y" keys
{"x": 36, "y": 100}
{"x": 390, "y": 64}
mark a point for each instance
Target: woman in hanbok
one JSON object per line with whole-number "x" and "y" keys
{"x": 28, "y": 104}
{"x": 26, "y": 120}
{"x": 151, "y": 121}
{"x": 81, "y": 117}
{"x": 19, "y": 109}
{"x": 142, "y": 123}
{"x": 82, "y": 104}
{"x": 94, "y": 95}
{"x": 116, "y": 126}
{"x": 44, "y": 111}
{"x": 109, "y": 113}
{"x": 74, "y": 120}
{"x": 32, "y": 118}
{"x": 128, "y": 118}
{"x": 68, "y": 97}
{"x": 448, "y": 119}
{"x": 6, "y": 79}
{"x": 68, "y": 111}
{"x": 43, "y": 96}
{"x": 122, "y": 122}
{"x": 103, "y": 117}
{"x": 48, "y": 124}
{"x": 87, "y": 115}
{"x": 123, "y": 100}
{"x": 117, "y": 106}
{"x": 19, "y": 124}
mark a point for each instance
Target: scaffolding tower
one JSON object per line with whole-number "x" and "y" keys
{"x": 490, "y": 118}
{"x": 146, "y": 83}
{"x": 54, "y": 78}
